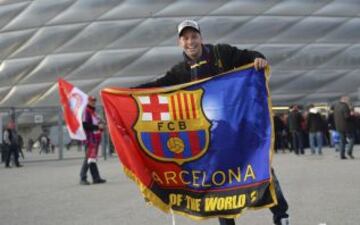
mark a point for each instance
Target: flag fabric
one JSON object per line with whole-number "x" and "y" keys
{"x": 73, "y": 102}
{"x": 201, "y": 149}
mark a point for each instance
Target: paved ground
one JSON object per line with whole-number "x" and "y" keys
{"x": 35, "y": 155}
{"x": 320, "y": 189}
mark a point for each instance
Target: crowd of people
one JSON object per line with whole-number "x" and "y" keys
{"x": 13, "y": 144}
{"x": 308, "y": 127}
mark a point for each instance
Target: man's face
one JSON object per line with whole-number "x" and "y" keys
{"x": 11, "y": 125}
{"x": 191, "y": 42}
{"x": 92, "y": 103}
{"x": 346, "y": 99}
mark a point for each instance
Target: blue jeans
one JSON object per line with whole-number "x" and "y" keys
{"x": 349, "y": 138}
{"x": 297, "y": 142}
{"x": 316, "y": 139}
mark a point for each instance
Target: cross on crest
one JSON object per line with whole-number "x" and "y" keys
{"x": 155, "y": 107}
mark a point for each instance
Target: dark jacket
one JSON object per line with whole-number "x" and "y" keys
{"x": 295, "y": 119}
{"x": 352, "y": 124}
{"x": 342, "y": 117}
{"x": 278, "y": 124}
{"x": 88, "y": 124}
{"x": 315, "y": 122}
{"x": 12, "y": 137}
{"x": 220, "y": 58}
{"x": 331, "y": 122}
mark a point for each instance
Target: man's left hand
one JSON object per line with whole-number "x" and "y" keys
{"x": 260, "y": 63}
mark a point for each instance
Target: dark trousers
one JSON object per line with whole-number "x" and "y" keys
{"x": 2, "y": 151}
{"x": 279, "y": 141}
{"x": 93, "y": 170}
{"x": 346, "y": 139}
{"x": 11, "y": 150}
{"x": 298, "y": 142}
{"x": 278, "y": 211}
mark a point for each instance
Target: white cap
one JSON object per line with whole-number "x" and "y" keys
{"x": 188, "y": 23}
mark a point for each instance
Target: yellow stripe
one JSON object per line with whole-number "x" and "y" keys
{"x": 176, "y": 107}
{"x": 196, "y": 107}
{"x": 183, "y": 108}
{"x": 198, "y": 64}
{"x": 170, "y": 108}
{"x": 189, "y": 106}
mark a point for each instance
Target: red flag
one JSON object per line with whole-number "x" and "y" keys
{"x": 74, "y": 102}
{"x": 193, "y": 149}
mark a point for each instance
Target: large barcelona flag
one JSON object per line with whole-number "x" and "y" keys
{"x": 201, "y": 149}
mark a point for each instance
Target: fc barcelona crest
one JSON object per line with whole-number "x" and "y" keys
{"x": 172, "y": 127}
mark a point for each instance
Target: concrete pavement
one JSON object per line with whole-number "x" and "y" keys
{"x": 320, "y": 189}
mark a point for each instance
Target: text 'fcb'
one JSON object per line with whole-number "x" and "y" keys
{"x": 171, "y": 126}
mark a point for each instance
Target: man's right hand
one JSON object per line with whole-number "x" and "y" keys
{"x": 260, "y": 63}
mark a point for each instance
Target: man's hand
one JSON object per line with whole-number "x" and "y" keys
{"x": 260, "y": 63}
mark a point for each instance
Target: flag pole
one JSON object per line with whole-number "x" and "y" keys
{"x": 172, "y": 217}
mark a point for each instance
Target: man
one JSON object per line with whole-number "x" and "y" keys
{"x": 201, "y": 61}
{"x": 342, "y": 118}
{"x": 44, "y": 141}
{"x": 331, "y": 125}
{"x": 295, "y": 120}
{"x": 315, "y": 126}
{"x": 93, "y": 128}
{"x": 11, "y": 143}
{"x": 279, "y": 128}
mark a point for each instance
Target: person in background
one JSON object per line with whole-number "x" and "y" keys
{"x": 44, "y": 141}
{"x": 332, "y": 130}
{"x": 286, "y": 134}
{"x": 351, "y": 133}
{"x": 357, "y": 127}
{"x": 2, "y": 152}
{"x": 93, "y": 127}
{"x": 295, "y": 120}
{"x": 315, "y": 126}
{"x": 342, "y": 118}
{"x": 21, "y": 146}
{"x": 30, "y": 145}
{"x": 279, "y": 131}
{"x": 11, "y": 143}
